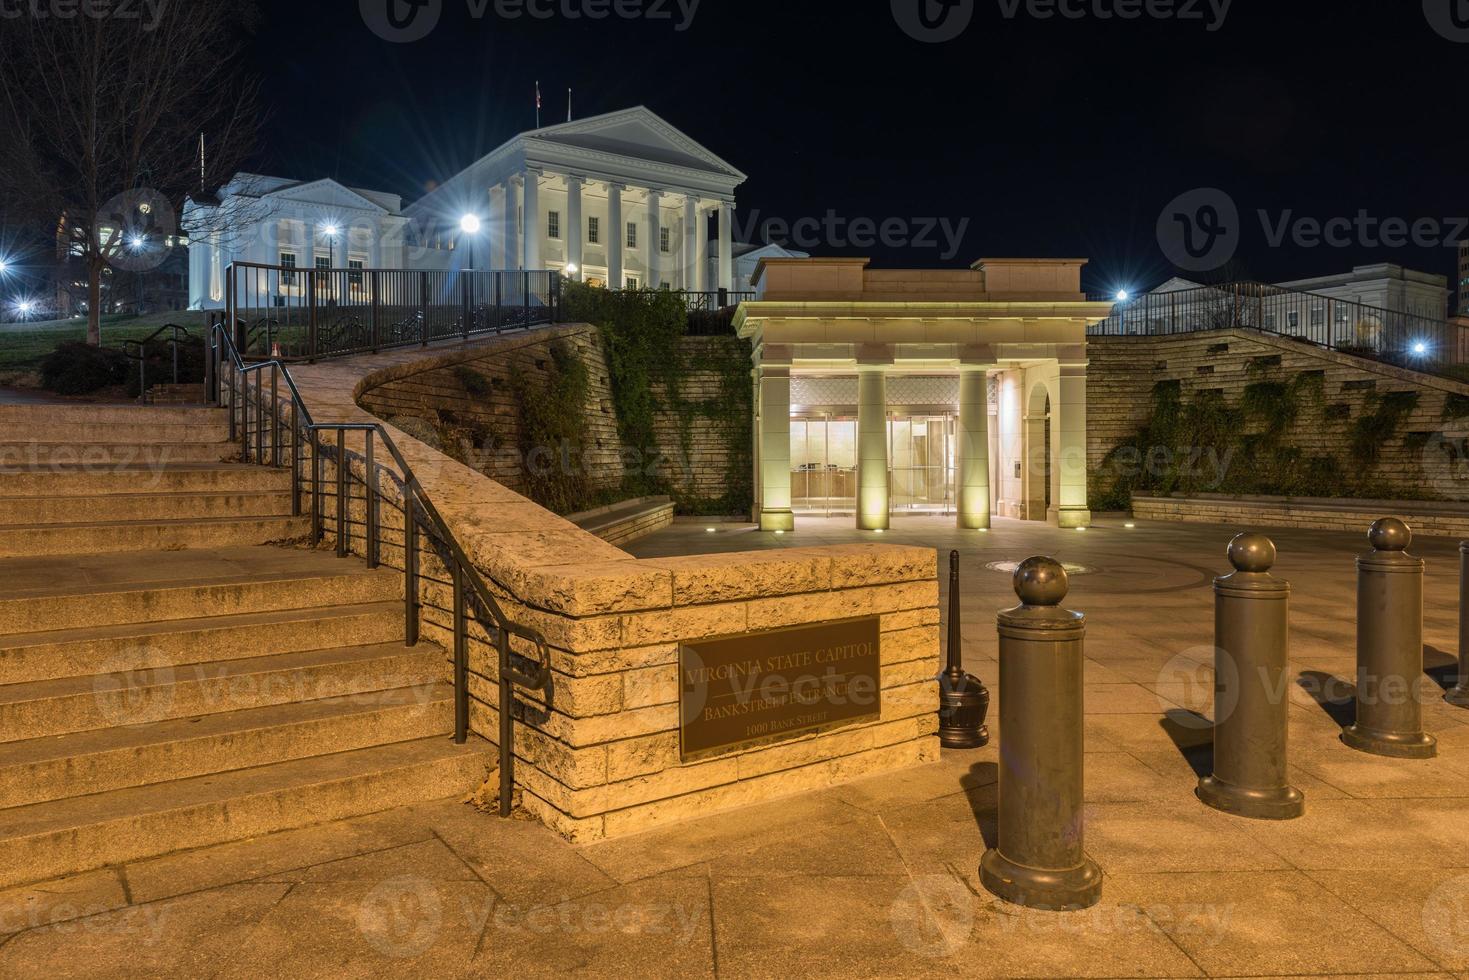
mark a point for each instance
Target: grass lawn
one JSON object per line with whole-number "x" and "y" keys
{"x": 22, "y": 345}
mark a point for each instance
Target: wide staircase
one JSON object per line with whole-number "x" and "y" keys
{"x": 177, "y": 667}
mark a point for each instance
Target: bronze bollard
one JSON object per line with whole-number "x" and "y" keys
{"x": 1040, "y": 862}
{"x": 963, "y": 700}
{"x": 1251, "y": 675}
{"x": 1390, "y": 648}
{"x": 1460, "y": 693}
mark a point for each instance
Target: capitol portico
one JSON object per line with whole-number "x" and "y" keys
{"x": 957, "y": 392}
{"x": 622, "y": 200}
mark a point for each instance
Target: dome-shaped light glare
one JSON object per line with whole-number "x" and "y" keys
{"x": 469, "y": 224}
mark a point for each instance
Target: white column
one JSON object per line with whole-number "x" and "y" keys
{"x": 1069, "y": 418}
{"x": 775, "y": 450}
{"x": 496, "y": 227}
{"x": 726, "y": 245}
{"x": 531, "y": 226}
{"x": 513, "y": 250}
{"x": 701, "y": 252}
{"x": 872, "y": 450}
{"x": 654, "y": 248}
{"x": 616, "y": 278}
{"x": 974, "y": 449}
{"x": 690, "y": 243}
{"x": 574, "y": 233}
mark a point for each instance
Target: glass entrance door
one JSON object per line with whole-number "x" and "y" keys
{"x": 923, "y": 455}
{"x": 824, "y": 465}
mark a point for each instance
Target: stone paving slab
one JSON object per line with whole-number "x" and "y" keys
{"x": 876, "y": 878}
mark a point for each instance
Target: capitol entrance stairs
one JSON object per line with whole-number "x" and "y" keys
{"x": 176, "y": 668}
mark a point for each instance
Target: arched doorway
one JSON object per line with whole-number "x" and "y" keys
{"x": 1039, "y": 472}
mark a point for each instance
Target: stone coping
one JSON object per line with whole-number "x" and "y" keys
{"x": 548, "y": 563}
{"x": 1347, "y": 505}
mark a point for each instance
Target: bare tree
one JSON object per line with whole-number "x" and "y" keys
{"x": 103, "y": 113}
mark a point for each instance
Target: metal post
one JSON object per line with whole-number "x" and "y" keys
{"x": 526, "y": 298}
{"x": 963, "y": 700}
{"x": 275, "y": 416}
{"x": 295, "y": 463}
{"x": 211, "y": 376}
{"x": 1390, "y": 648}
{"x": 507, "y": 727}
{"x": 1460, "y": 694}
{"x": 317, "y": 529}
{"x": 311, "y": 314}
{"x": 1040, "y": 861}
{"x": 370, "y": 493}
{"x": 410, "y": 569}
{"x": 343, "y": 533}
{"x": 461, "y": 659}
{"x": 242, "y": 384}
{"x": 1251, "y": 675}
{"x": 260, "y": 416}
{"x": 375, "y": 278}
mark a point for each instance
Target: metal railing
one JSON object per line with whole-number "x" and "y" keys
{"x": 137, "y": 350}
{"x": 292, "y": 314}
{"x": 280, "y": 432}
{"x": 1412, "y": 340}
{"x": 708, "y": 302}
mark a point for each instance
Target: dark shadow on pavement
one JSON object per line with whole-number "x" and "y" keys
{"x": 1193, "y": 735}
{"x": 1333, "y": 695}
{"x": 982, "y": 787}
{"x": 1443, "y": 667}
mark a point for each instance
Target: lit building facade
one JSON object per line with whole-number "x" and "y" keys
{"x": 884, "y": 392}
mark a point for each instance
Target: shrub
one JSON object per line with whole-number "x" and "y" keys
{"x": 78, "y": 368}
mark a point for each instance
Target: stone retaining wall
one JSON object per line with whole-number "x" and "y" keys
{"x": 598, "y": 756}
{"x": 1428, "y": 456}
{"x": 625, "y": 523}
{"x": 1426, "y": 520}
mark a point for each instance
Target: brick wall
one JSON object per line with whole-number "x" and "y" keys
{"x": 469, "y": 410}
{"x": 1426, "y": 457}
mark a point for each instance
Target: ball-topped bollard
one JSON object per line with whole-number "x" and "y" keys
{"x": 1390, "y": 648}
{"x": 1251, "y": 676}
{"x": 1459, "y": 695}
{"x": 964, "y": 701}
{"x": 1039, "y": 860}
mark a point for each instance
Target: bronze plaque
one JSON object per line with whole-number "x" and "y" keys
{"x": 763, "y": 687}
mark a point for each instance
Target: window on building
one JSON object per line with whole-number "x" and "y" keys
{"x": 632, "y": 234}
{"x": 632, "y": 283}
{"x": 594, "y": 231}
{"x": 354, "y": 274}
{"x": 553, "y": 224}
{"x": 1293, "y": 319}
{"x": 1318, "y": 317}
{"x": 665, "y": 240}
{"x": 288, "y": 268}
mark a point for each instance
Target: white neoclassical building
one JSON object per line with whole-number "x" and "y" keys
{"x": 622, "y": 200}
{"x": 884, "y": 392}
{"x": 274, "y": 221}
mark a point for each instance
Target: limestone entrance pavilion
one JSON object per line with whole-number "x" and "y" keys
{"x": 881, "y": 393}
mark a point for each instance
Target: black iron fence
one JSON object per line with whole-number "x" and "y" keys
{"x": 714, "y": 300}
{"x": 1412, "y": 340}
{"x": 295, "y": 314}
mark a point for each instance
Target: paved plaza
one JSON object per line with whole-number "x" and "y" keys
{"x": 878, "y": 878}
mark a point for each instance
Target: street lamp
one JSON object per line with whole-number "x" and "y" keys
{"x": 331, "y": 232}
{"x": 1420, "y": 348}
{"x": 137, "y": 242}
{"x": 1123, "y": 296}
{"x": 469, "y": 224}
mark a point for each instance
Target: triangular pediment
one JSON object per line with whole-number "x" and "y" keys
{"x": 638, "y": 133}
{"x": 325, "y": 192}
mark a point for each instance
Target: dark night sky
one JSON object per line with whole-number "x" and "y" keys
{"x": 1053, "y": 137}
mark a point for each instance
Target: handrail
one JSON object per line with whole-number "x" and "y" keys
{"x": 142, "y": 356}
{"x": 466, "y": 578}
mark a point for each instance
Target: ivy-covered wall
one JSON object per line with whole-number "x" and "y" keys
{"x": 1235, "y": 412}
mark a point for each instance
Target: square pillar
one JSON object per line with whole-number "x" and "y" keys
{"x": 1073, "y": 509}
{"x": 654, "y": 248}
{"x": 690, "y": 243}
{"x": 616, "y": 237}
{"x": 575, "y": 234}
{"x": 872, "y": 451}
{"x": 531, "y": 223}
{"x": 974, "y": 449}
{"x": 701, "y": 251}
{"x": 775, "y": 450}
{"x": 726, "y": 245}
{"x": 511, "y": 232}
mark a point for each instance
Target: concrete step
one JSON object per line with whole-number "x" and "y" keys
{"x": 142, "y": 696}
{"x": 19, "y": 540}
{"x": 88, "y": 591}
{"x": 28, "y": 657}
{"x": 45, "y": 769}
{"x": 79, "y": 481}
{"x": 139, "y": 432}
{"x": 48, "y": 840}
{"x": 179, "y": 394}
{"x": 119, "y": 507}
{"x": 52, "y": 412}
{"x": 31, "y": 455}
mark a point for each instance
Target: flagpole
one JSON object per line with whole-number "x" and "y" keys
{"x": 568, "y": 105}
{"x": 538, "y": 105}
